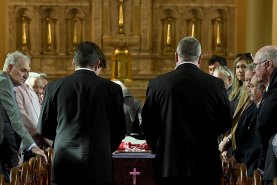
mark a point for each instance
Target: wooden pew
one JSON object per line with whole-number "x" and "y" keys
{"x": 14, "y": 176}
{"x": 257, "y": 178}
{"x": 25, "y": 176}
{"x": 49, "y": 154}
{"x": 2, "y": 180}
{"x": 274, "y": 181}
{"x": 236, "y": 174}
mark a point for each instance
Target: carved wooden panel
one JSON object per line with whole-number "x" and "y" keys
{"x": 49, "y": 30}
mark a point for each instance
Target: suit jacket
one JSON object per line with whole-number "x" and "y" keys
{"x": 29, "y": 106}
{"x": 10, "y": 143}
{"x": 84, "y": 115}
{"x": 267, "y": 125}
{"x": 270, "y": 170}
{"x": 1, "y": 129}
{"x": 8, "y": 101}
{"x": 248, "y": 139}
{"x": 243, "y": 103}
{"x": 184, "y": 112}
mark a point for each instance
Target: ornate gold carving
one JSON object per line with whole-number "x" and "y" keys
{"x": 121, "y": 59}
{"x": 121, "y": 64}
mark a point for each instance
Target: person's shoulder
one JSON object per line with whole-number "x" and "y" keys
{"x": 208, "y": 77}
{"x": 4, "y": 81}
{"x": 3, "y": 76}
{"x": 19, "y": 89}
{"x": 163, "y": 77}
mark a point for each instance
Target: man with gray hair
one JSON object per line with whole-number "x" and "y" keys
{"x": 184, "y": 112}
{"x": 29, "y": 107}
{"x": 37, "y": 82}
{"x": 265, "y": 63}
{"x": 15, "y": 72}
{"x": 225, "y": 74}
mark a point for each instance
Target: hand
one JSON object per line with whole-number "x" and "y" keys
{"x": 223, "y": 143}
{"x": 224, "y": 156}
{"x": 38, "y": 151}
{"x": 232, "y": 159}
{"x": 42, "y": 142}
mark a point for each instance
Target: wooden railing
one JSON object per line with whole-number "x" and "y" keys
{"x": 236, "y": 174}
{"x": 33, "y": 172}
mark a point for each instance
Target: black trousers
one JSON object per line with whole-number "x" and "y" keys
{"x": 9, "y": 150}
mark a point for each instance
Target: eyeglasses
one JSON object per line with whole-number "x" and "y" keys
{"x": 255, "y": 64}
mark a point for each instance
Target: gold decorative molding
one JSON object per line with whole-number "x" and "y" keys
{"x": 121, "y": 64}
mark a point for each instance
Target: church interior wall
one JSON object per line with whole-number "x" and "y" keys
{"x": 152, "y": 30}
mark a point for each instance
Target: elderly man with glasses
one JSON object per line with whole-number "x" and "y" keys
{"x": 265, "y": 63}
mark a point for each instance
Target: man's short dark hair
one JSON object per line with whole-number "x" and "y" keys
{"x": 221, "y": 60}
{"x": 87, "y": 54}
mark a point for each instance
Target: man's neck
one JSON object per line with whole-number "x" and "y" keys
{"x": 186, "y": 62}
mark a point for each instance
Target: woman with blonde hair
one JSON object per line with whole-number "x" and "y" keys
{"x": 239, "y": 67}
{"x": 239, "y": 98}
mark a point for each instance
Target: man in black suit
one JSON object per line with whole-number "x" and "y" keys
{"x": 265, "y": 62}
{"x": 184, "y": 112}
{"x": 83, "y": 114}
{"x": 247, "y": 136}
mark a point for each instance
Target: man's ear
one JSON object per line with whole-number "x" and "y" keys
{"x": 73, "y": 65}
{"x": 97, "y": 65}
{"x": 176, "y": 57}
{"x": 199, "y": 60}
{"x": 269, "y": 64}
{"x": 229, "y": 78}
{"x": 10, "y": 67}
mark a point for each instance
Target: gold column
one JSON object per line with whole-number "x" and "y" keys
{"x": 121, "y": 17}
{"x": 193, "y": 27}
{"x": 218, "y": 37}
{"x": 24, "y": 33}
{"x": 49, "y": 36}
{"x": 192, "y": 30}
{"x": 218, "y": 32}
{"x": 168, "y": 36}
{"x": 75, "y": 36}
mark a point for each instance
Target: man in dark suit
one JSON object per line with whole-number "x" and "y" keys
{"x": 184, "y": 112}
{"x": 265, "y": 63}
{"x": 83, "y": 114}
{"x": 247, "y": 137}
